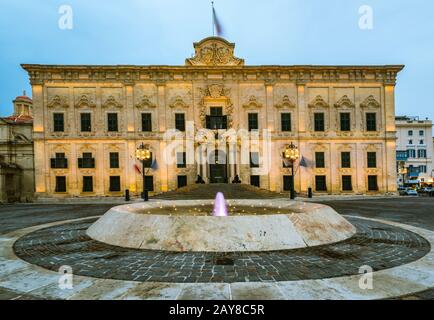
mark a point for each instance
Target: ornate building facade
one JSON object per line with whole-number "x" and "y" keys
{"x": 16, "y": 153}
{"x": 89, "y": 120}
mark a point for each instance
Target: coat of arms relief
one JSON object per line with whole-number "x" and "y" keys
{"x": 214, "y": 52}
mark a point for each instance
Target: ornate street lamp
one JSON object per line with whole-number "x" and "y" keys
{"x": 291, "y": 154}
{"x": 143, "y": 154}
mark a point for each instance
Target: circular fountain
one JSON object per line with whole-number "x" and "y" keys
{"x": 220, "y": 226}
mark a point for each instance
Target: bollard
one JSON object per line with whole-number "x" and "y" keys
{"x": 127, "y": 195}
{"x": 146, "y": 195}
{"x": 309, "y": 193}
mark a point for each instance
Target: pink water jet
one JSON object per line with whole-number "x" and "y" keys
{"x": 220, "y": 208}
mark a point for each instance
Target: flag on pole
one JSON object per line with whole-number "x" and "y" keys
{"x": 217, "y": 24}
{"x": 137, "y": 169}
{"x": 154, "y": 165}
{"x": 304, "y": 162}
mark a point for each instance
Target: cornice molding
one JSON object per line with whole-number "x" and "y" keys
{"x": 253, "y": 103}
{"x": 178, "y": 102}
{"x": 145, "y": 102}
{"x": 111, "y": 102}
{"x": 370, "y": 102}
{"x": 58, "y": 102}
{"x": 318, "y": 102}
{"x": 286, "y": 102}
{"x": 344, "y": 102}
{"x": 85, "y": 101}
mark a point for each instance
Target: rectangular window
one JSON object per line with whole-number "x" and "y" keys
{"x": 255, "y": 181}
{"x": 421, "y": 133}
{"x": 319, "y": 160}
{"x": 371, "y": 122}
{"x": 320, "y": 183}
{"x": 182, "y": 181}
{"x": 147, "y": 122}
{"x": 60, "y": 162}
{"x": 149, "y": 183}
{"x": 345, "y": 160}
{"x": 372, "y": 183}
{"x": 87, "y": 162}
{"x": 180, "y": 121}
{"x": 87, "y": 184}
{"x": 411, "y": 153}
{"x": 60, "y": 184}
{"x": 58, "y": 122}
{"x": 253, "y": 121}
{"x": 319, "y": 121}
{"x": 115, "y": 184}
{"x": 181, "y": 161}
{"x": 422, "y": 169}
{"x": 345, "y": 121}
{"x": 372, "y": 159}
{"x": 410, "y": 133}
{"x": 254, "y": 159}
{"x": 286, "y": 122}
{"x": 112, "y": 122}
{"x": 114, "y": 160}
{"x": 216, "y": 111}
{"x": 347, "y": 184}
{"x": 421, "y": 153}
{"x": 86, "y": 122}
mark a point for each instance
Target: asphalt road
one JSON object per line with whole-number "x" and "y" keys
{"x": 418, "y": 212}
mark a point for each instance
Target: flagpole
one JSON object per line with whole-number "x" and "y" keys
{"x": 212, "y": 18}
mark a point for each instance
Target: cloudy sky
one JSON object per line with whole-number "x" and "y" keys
{"x": 283, "y": 32}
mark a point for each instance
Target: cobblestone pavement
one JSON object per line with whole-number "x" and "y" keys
{"x": 377, "y": 245}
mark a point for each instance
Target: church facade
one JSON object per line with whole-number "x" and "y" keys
{"x": 213, "y": 120}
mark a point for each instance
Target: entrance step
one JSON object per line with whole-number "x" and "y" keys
{"x": 209, "y": 191}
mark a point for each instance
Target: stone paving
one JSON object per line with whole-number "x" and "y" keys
{"x": 377, "y": 245}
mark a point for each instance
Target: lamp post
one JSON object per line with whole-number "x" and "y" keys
{"x": 143, "y": 154}
{"x": 292, "y": 154}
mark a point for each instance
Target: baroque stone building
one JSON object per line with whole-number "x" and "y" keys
{"x": 89, "y": 120}
{"x": 16, "y": 153}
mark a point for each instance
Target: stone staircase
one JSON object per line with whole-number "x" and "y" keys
{"x": 209, "y": 191}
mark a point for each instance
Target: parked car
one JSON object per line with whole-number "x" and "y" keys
{"x": 411, "y": 192}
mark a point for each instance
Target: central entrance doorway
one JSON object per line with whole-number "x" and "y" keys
{"x": 218, "y": 173}
{"x": 218, "y": 170}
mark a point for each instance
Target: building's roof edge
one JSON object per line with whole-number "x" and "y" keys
{"x": 29, "y": 67}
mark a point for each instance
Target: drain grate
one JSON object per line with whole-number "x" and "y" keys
{"x": 223, "y": 261}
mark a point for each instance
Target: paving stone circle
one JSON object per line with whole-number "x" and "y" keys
{"x": 375, "y": 244}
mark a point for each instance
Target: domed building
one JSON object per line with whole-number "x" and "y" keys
{"x": 16, "y": 153}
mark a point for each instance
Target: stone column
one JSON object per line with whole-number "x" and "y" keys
{"x": 390, "y": 147}
{"x": 162, "y": 121}
{"x": 42, "y": 177}
{"x": 232, "y": 160}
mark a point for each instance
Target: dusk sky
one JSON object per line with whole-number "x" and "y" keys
{"x": 286, "y": 32}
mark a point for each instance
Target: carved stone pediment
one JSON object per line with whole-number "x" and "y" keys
{"x": 370, "y": 102}
{"x": 318, "y": 102}
{"x": 58, "y": 102}
{"x": 111, "y": 102}
{"x": 85, "y": 101}
{"x": 214, "y": 51}
{"x": 344, "y": 102}
{"x": 145, "y": 102}
{"x": 215, "y": 91}
{"x": 178, "y": 102}
{"x": 252, "y": 103}
{"x": 285, "y": 103}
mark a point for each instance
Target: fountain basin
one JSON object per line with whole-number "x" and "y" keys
{"x": 267, "y": 226}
